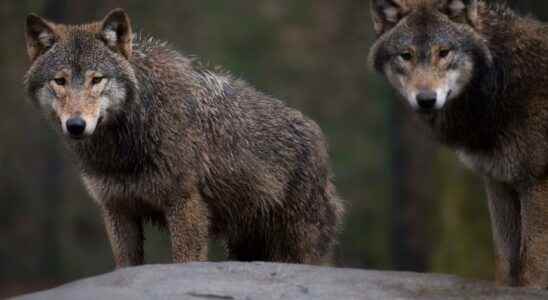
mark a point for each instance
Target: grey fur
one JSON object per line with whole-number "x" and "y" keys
{"x": 200, "y": 152}
{"x": 498, "y": 124}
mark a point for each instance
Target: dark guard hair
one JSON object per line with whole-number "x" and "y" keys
{"x": 196, "y": 150}
{"x": 498, "y": 124}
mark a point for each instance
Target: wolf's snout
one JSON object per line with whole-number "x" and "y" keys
{"x": 427, "y": 99}
{"x": 76, "y": 126}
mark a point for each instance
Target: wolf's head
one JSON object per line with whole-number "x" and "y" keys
{"x": 80, "y": 75}
{"x": 429, "y": 50}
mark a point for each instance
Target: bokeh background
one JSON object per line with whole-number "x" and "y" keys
{"x": 410, "y": 204}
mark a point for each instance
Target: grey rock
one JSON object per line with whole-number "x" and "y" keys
{"x": 249, "y": 281}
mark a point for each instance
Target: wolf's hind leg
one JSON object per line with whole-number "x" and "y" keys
{"x": 504, "y": 207}
{"x": 303, "y": 244}
{"x": 187, "y": 221}
{"x": 125, "y": 233}
{"x": 285, "y": 243}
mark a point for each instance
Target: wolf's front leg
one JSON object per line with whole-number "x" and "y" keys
{"x": 534, "y": 248}
{"x": 126, "y": 237}
{"x": 504, "y": 208}
{"x": 188, "y": 225}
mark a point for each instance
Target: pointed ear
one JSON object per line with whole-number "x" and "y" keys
{"x": 116, "y": 32}
{"x": 463, "y": 11}
{"x": 387, "y": 13}
{"x": 40, "y": 36}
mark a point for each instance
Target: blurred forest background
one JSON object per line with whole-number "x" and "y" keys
{"x": 411, "y": 205}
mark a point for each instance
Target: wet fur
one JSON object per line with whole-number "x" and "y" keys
{"x": 202, "y": 153}
{"x": 499, "y": 126}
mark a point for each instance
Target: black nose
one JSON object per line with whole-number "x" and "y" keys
{"x": 76, "y": 126}
{"x": 427, "y": 99}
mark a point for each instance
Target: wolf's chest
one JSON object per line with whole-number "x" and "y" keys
{"x": 499, "y": 166}
{"x": 105, "y": 188}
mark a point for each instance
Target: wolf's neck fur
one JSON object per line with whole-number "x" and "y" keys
{"x": 133, "y": 141}
{"x": 480, "y": 120}
{"x": 124, "y": 145}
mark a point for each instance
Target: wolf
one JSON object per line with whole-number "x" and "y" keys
{"x": 161, "y": 138}
{"x": 476, "y": 74}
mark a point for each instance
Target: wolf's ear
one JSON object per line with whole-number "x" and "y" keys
{"x": 464, "y": 11}
{"x": 387, "y": 13}
{"x": 40, "y": 36}
{"x": 116, "y": 32}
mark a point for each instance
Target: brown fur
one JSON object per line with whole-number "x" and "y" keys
{"x": 498, "y": 124}
{"x": 199, "y": 152}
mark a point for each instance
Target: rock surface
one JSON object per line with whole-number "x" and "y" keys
{"x": 249, "y": 281}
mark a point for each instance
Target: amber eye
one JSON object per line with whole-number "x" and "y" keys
{"x": 60, "y": 81}
{"x": 97, "y": 80}
{"x": 444, "y": 53}
{"x": 406, "y": 56}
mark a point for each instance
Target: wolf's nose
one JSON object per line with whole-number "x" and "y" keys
{"x": 76, "y": 126}
{"x": 427, "y": 99}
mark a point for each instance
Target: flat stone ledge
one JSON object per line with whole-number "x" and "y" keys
{"x": 250, "y": 281}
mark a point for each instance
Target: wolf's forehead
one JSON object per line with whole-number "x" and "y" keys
{"x": 82, "y": 43}
{"x": 427, "y": 19}
{"x": 428, "y": 27}
{"x": 83, "y": 50}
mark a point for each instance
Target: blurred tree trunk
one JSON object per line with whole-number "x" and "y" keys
{"x": 539, "y": 8}
{"x": 411, "y": 164}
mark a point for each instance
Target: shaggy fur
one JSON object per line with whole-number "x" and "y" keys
{"x": 498, "y": 123}
{"x": 198, "y": 151}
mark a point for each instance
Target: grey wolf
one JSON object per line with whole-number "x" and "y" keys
{"x": 161, "y": 138}
{"x": 477, "y": 76}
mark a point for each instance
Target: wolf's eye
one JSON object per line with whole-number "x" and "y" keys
{"x": 407, "y": 56}
{"x": 97, "y": 80}
{"x": 444, "y": 53}
{"x": 60, "y": 81}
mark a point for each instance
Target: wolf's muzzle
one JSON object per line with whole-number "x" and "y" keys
{"x": 76, "y": 127}
{"x": 427, "y": 100}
